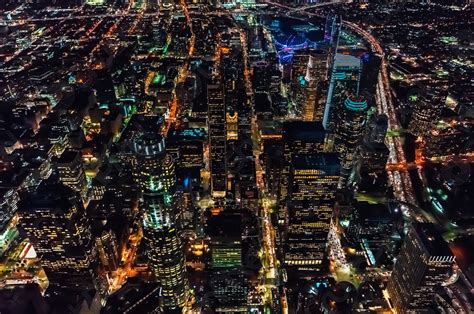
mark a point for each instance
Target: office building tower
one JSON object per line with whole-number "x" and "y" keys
{"x": 155, "y": 168}
{"x": 217, "y": 139}
{"x": 108, "y": 250}
{"x": 54, "y": 220}
{"x": 426, "y": 110}
{"x": 313, "y": 184}
{"x": 425, "y": 262}
{"x": 316, "y": 72}
{"x": 227, "y": 278}
{"x": 232, "y": 127}
{"x": 378, "y": 128}
{"x": 71, "y": 172}
{"x": 332, "y": 29}
{"x": 372, "y": 155}
{"x": 299, "y": 66}
{"x": 156, "y": 179}
{"x": 225, "y": 231}
{"x": 350, "y": 129}
{"x": 321, "y": 96}
{"x": 230, "y": 289}
{"x": 374, "y": 228}
{"x": 370, "y": 74}
{"x": 186, "y": 146}
{"x": 299, "y": 138}
{"x": 344, "y": 81}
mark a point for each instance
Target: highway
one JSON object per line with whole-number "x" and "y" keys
{"x": 399, "y": 179}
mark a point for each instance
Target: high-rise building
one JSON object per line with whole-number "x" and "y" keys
{"x": 316, "y": 72}
{"x": 424, "y": 263}
{"x": 299, "y": 138}
{"x": 344, "y": 81}
{"x": 156, "y": 178}
{"x": 426, "y": 110}
{"x": 227, "y": 278}
{"x": 332, "y": 29}
{"x": 350, "y": 129}
{"x": 370, "y": 74}
{"x": 71, "y": 172}
{"x": 225, "y": 231}
{"x": 313, "y": 184}
{"x": 299, "y": 66}
{"x": 217, "y": 139}
{"x": 374, "y": 228}
{"x": 54, "y": 220}
{"x": 372, "y": 154}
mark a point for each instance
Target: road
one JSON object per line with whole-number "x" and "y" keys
{"x": 182, "y": 74}
{"x": 399, "y": 179}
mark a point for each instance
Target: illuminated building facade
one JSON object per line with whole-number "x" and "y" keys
{"x": 372, "y": 154}
{"x": 217, "y": 139}
{"x": 71, "y": 173}
{"x": 344, "y": 81}
{"x": 55, "y": 222}
{"x": 373, "y": 227}
{"x": 332, "y": 29}
{"x": 156, "y": 178}
{"x": 186, "y": 146}
{"x": 448, "y": 138}
{"x": 298, "y": 73}
{"x": 232, "y": 119}
{"x": 350, "y": 129}
{"x": 313, "y": 184}
{"x": 425, "y": 262}
{"x": 426, "y": 110}
{"x": 299, "y": 66}
{"x": 227, "y": 279}
{"x": 299, "y": 138}
{"x": 316, "y": 73}
{"x": 108, "y": 250}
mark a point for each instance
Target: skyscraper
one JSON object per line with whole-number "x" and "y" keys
{"x": 426, "y": 110}
{"x": 299, "y": 138}
{"x": 155, "y": 176}
{"x": 54, "y": 220}
{"x": 332, "y": 29}
{"x": 316, "y": 73}
{"x": 313, "y": 183}
{"x": 345, "y": 77}
{"x": 217, "y": 139}
{"x": 424, "y": 263}
{"x": 299, "y": 67}
{"x": 349, "y": 131}
{"x": 71, "y": 173}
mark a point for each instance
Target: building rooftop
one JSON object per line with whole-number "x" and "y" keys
{"x": 135, "y": 296}
{"x": 343, "y": 60}
{"x": 67, "y": 156}
{"x": 373, "y": 212}
{"x": 432, "y": 239}
{"x": 329, "y": 162}
{"x": 303, "y": 131}
{"x": 224, "y": 224}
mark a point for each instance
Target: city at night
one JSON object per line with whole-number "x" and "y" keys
{"x": 236, "y": 156}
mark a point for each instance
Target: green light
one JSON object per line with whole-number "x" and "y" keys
{"x": 302, "y": 80}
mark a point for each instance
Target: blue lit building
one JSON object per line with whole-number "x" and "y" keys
{"x": 345, "y": 80}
